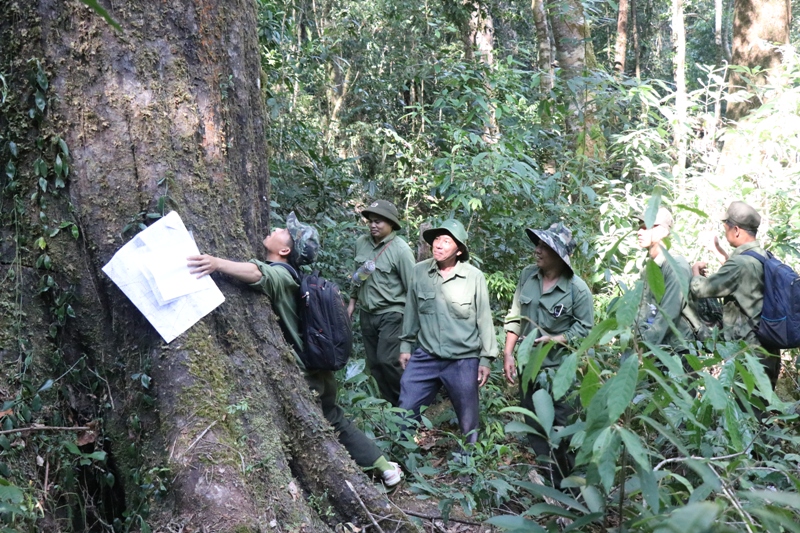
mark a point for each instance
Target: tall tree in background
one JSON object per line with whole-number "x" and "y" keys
{"x": 166, "y": 114}
{"x": 759, "y": 27}
{"x": 680, "y": 121}
{"x": 621, "y": 44}
{"x": 544, "y": 39}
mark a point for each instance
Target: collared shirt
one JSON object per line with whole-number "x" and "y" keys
{"x": 566, "y": 308}
{"x": 281, "y": 288}
{"x": 449, "y": 318}
{"x": 653, "y": 319}
{"x": 740, "y": 284}
{"x": 384, "y": 291}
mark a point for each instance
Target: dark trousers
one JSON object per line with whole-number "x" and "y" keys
{"x": 563, "y": 459}
{"x": 425, "y": 374}
{"x": 381, "y": 334}
{"x": 363, "y": 451}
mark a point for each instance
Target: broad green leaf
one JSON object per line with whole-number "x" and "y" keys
{"x": 624, "y": 387}
{"x": 682, "y": 280}
{"x": 72, "y": 448}
{"x": 597, "y": 332}
{"x": 549, "y": 510}
{"x": 11, "y": 170}
{"x": 606, "y": 456}
{"x": 543, "y": 405}
{"x": 12, "y": 147}
{"x": 97, "y": 456}
{"x": 628, "y": 306}
{"x": 58, "y": 167}
{"x": 714, "y": 392}
{"x": 789, "y": 499}
{"x": 102, "y": 12}
{"x": 47, "y": 385}
{"x": 565, "y": 376}
{"x": 669, "y": 360}
{"x": 652, "y": 208}
{"x": 40, "y": 101}
{"x": 762, "y": 380}
{"x": 535, "y": 360}
{"x": 63, "y": 145}
{"x": 524, "y": 352}
{"x": 635, "y": 447}
{"x": 692, "y": 209}
{"x": 10, "y": 493}
{"x": 655, "y": 280}
{"x": 550, "y": 492}
{"x": 696, "y": 517}
{"x": 647, "y": 480}
{"x": 516, "y": 426}
{"x": 515, "y": 523}
{"x": 591, "y": 383}
{"x": 747, "y": 378}
{"x": 732, "y": 427}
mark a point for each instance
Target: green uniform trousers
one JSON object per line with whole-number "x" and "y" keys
{"x": 381, "y": 335}
{"x": 363, "y": 451}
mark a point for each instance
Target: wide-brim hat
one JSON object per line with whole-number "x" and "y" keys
{"x": 663, "y": 218}
{"x": 384, "y": 209}
{"x": 455, "y": 229}
{"x": 558, "y": 237}
{"x": 305, "y": 239}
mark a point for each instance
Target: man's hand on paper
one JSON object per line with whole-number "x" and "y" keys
{"x": 202, "y": 265}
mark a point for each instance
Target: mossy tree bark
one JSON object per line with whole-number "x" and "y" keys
{"x": 169, "y": 111}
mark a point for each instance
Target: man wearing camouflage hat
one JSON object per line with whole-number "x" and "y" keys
{"x": 554, "y": 305}
{"x": 661, "y": 322}
{"x": 739, "y": 282}
{"x": 383, "y": 264}
{"x": 447, "y": 315}
{"x": 287, "y": 250}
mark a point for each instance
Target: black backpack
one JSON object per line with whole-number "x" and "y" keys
{"x": 324, "y": 323}
{"x": 780, "y": 316}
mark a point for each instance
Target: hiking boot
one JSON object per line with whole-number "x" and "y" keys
{"x": 391, "y": 478}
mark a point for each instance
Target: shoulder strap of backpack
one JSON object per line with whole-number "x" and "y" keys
{"x": 290, "y": 268}
{"x": 761, "y": 258}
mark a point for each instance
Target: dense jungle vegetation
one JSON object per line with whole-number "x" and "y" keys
{"x": 448, "y": 110}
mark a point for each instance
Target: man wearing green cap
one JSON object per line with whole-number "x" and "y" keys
{"x": 380, "y": 282}
{"x": 448, "y": 316}
{"x": 553, "y": 304}
{"x": 739, "y": 282}
{"x": 288, "y": 249}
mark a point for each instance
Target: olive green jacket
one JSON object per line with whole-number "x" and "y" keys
{"x": 534, "y": 312}
{"x": 740, "y": 284}
{"x": 384, "y": 291}
{"x": 281, "y": 288}
{"x": 449, "y": 318}
{"x": 653, "y": 319}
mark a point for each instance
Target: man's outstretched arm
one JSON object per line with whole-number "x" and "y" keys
{"x": 202, "y": 265}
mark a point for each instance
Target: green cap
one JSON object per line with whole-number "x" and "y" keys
{"x": 455, "y": 229}
{"x": 742, "y": 215}
{"x": 305, "y": 240}
{"x": 384, "y": 209}
{"x": 558, "y": 237}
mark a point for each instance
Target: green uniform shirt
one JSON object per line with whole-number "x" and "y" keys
{"x": 384, "y": 291}
{"x": 740, "y": 283}
{"x": 570, "y": 299}
{"x": 281, "y": 288}
{"x": 449, "y": 318}
{"x": 653, "y": 320}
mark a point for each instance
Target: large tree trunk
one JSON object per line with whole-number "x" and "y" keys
{"x": 621, "y": 44}
{"x": 170, "y": 107}
{"x": 758, "y": 26}
{"x": 680, "y": 127}
{"x": 574, "y": 53}
{"x": 478, "y": 35}
{"x": 544, "y": 38}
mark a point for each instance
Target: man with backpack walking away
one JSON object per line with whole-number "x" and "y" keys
{"x": 740, "y": 283}
{"x": 287, "y": 250}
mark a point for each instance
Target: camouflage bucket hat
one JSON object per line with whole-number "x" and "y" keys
{"x": 305, "y": 239}
{"x": 384, "y": 209}
{"x": 455, "y": 229}
{"x": 558, "y": 237}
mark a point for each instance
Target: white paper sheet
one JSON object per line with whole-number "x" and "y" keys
{"x": 151, "y": 270}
